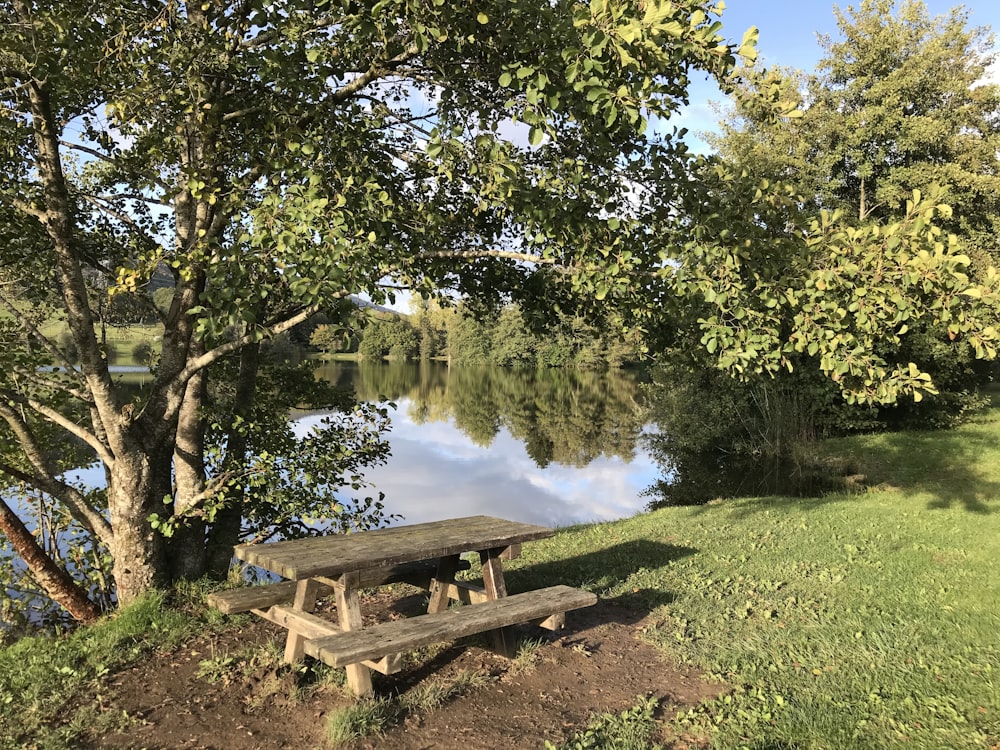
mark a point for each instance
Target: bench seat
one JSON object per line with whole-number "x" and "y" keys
{"x": 248, "y": 598}
{"x": 372, "y": 643}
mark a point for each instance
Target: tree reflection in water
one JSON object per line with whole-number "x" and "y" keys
{"x": 552, "y": 447}
{"x": 563, "y": 416}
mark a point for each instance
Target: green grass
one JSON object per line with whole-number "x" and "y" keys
{"x": 49, "y": 686}
{"x": 632, "y": 729}
{"x": 850, "y": 621}
{"x": 375, "y": 716}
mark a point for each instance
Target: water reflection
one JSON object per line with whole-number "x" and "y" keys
{"x": 552, "y": 447}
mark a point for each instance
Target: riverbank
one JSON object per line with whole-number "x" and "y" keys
{"x": 863, "y": 620}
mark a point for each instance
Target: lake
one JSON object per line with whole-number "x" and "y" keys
{"x": 550, "y": 447}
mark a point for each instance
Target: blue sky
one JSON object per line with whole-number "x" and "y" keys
{"x": 788, "y": 37}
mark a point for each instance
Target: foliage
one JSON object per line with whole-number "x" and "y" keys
{"x": 898, "y": 104}
{"x": 510, "y": 338}
{"x": 900, "y": 101}
{"x": 764, "y": 298}
{"x": 717, "y": 437}
{"x": 393, "y": 338}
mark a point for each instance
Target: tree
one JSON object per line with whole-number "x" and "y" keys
{"x": 898, "y": 103}
{"x": 275, "y": 157}
{"x": 393, "y": 337}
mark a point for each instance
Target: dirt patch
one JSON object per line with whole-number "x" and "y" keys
{"x": 227, "y": 691}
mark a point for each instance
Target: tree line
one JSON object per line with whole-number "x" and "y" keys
{"x": 502, "y": 338}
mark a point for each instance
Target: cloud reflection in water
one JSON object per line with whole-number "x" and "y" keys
{"x": 437, "y": 472}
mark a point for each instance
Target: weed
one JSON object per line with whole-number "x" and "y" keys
{"x": 378, "y": 715}
{"x": 362, "y": 719}
{"x": 527, "y": 655}
{"x": 632, "y": 729}
{"x": 435, "y": 692}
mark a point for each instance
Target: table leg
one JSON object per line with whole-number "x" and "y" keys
{"x": 359, "y": 677}
{"x": 305, "y": 601}
{"x": 496, "y": 588}
{"x": 443, "y": 578}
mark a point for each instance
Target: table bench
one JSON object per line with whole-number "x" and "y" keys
{"x": 427, "y": 555}
{"x": 249, "y": 598}
{"x": 351, "y": 647}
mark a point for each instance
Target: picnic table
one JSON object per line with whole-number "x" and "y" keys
{"x": 427, "y": 555}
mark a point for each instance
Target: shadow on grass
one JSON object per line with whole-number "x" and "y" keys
{"x": 956, "y": 468}
{"x": 607, "y": 569}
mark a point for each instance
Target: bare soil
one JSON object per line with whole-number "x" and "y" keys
{"x": 597, "y": 664}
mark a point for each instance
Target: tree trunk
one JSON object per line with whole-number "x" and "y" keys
{"x": 225, "y": 531}
{"x": 57, "y": 583}
{"x": 139, "y": 484}
{"x": 187, "y": 545}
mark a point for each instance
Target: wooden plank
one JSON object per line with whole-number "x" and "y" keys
{"x": 493, "y": 583}
{"x": 246, "y": 599}
{"x": 399, "y": 636}
{"x": 313, "y": 626}
{"x": 443, "y": 578}
{"x": 340, "y": 553}
{"x": 467, "y": 593}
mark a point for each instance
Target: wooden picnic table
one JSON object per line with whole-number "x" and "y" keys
{"x": 427, "y": 555}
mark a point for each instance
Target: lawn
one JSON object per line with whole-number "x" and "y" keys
{"x": 863, "y": 620}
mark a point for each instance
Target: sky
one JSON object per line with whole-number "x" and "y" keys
{"x": 788, "y": 37}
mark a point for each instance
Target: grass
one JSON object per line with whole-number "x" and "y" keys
{"x": 375, "y": 716}
{"x": 632, "y": 729}
{"x": 50, "y": 686}
{"x": 861, "y": 621}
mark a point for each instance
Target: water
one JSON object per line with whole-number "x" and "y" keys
{"x": 553, "y": 448}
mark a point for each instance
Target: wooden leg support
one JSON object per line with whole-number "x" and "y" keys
{"x": 359, "y": 677}
{"x": 305, "y": 601}
{"x": 496, "y": 588}
{"x": 441, "y": 583}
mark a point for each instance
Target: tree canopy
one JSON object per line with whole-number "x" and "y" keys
{"x": 899, "y": 101}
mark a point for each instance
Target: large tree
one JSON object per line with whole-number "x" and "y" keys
{"x": 274, "y": 157}
{"x": 900, "y": 101}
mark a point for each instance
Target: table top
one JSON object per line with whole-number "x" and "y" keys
{"x": 342, "y": 553}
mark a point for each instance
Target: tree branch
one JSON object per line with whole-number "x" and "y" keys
{"x": 214, "y": 355}
{"x": 36, "y": 333}
{"x": 485, "y": 253}
{"x": 60, "y": 420}
{"x": 45, "y": 480}
{"x": 103, "y": 205}
{"x": 376, "y": 70}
